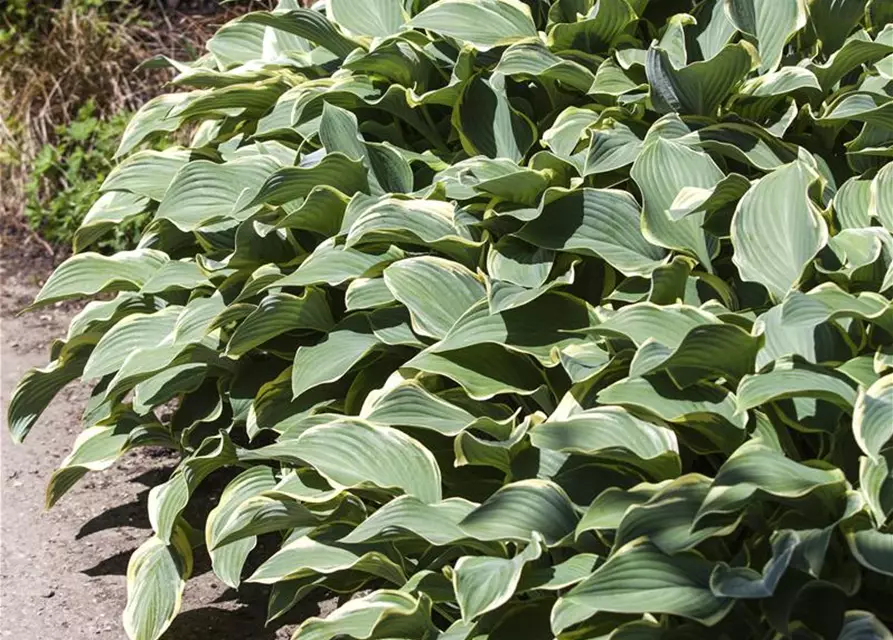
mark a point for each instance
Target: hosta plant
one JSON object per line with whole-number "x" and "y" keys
{"x": 545, "y": 319}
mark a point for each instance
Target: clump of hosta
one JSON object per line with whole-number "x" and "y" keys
{"x": 544, "y": 319}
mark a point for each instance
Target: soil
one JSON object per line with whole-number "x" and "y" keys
{"x": 63, "y": 571}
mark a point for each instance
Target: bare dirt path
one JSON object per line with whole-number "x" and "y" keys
{"x": 62, "y": 572}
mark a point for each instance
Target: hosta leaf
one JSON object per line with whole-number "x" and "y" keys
{"x": 483, "y": 584}
{"x": 99, "y": 447}
{"x": 881, "y": 203}
{"x": 89, "y": 273}
{"x": 755, "y": 468}
{"x": 699, "y": 87}
{"x": 176, "y": 274}
{"x": 662, "y": 170}
{"x": 381, "y": 614}
{"x": 153, "y": 117}
{"x": 596, "y": 31}
{"x": 699, "y": 403}
{"x": 521, "y": 509}
{"x": 357, "y": 453}
{"x": 486, "y": 122}
{"x": 835, "y": 19}
{"x": 598, "y": 222}
{"x": 156, "y": 575}
{"x": 335, "y": 264}
{"x": 407, "y": 516}
{"x": 111, "y": 209}
{"x": 343, "y": 348}
{"x": 667, "y": 325}
{"x": 167, "y": 501}
{"x": 37, "y": 388}
{"x": 744, "y": 582}
{"x": 436, "y": 292}
{"x": 611, "y": 149}
{"x": 305, "y": 556}
{"x": 305, "y": 23}
{"x": 414, "y": 221}
{"x": 265, "y": 513}
{"x": 375, "y": 18}
{"x": 772, "y": 23}
{"x": 203, "y": 191}
{"x": 641, "y": 579}
{"x": 484, "y": 371}
{"x": 278, "y": 313}
{"x": 514, "y": 329}
{"x": 861, "y": 625}
{"x": 410, "y": 405}
{"x": 699, "y": 355}
{"x": 336, "y": 170}
{"x": 714, "y": 27}
{"x": 792, "y": 377}
{"x": 667, "y": 518}
{"x": 829, "y": 302}
{"x": 228, "y": 560}
{"x": 367, "y": 293}
{"x": 872, "y": 423}
{"x": 612, "y": 433}
{"x": 483, "y": 23}
{"x": 872, "y": 549}
{"x": 774, "y": 250}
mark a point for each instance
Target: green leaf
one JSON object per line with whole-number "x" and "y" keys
{"x": 374, "y": 18}
{"x": 304, "y": 556}
{"x": 336, "y": 170}
{"x": 203, "y": 191}
{"x": 640, "y": 579}
{"x": 411, "y": 405}
{"x": 37, "y": 388}
{"x": 305, "y": 23}
{"x": 156, "y": 575}
{"x": 594, "y": 32}
{"x": 872, "y": 424}
{"x": 521, "y": 510}
{"x": 352, "y": 453}
{"x": 699, "y": 403}
{"x": 700, "y": 87}
{"x": 774, "y": 250}
{"x": 484, "y": 584}
{"x": 612, "y": 433}
{"x": 484, "y": 118}
{"x": 792, "y": 377}
{"x": 407, "y": 516}
{"x": 771, "y": 23}
{"x": 597, "y": 222}
{"x": 667, "y": 518}
{"x": 89, "y": 273}
{"x": 227, "y": 560}
{"x": 436, "y": 292}
{"x": 516, "y": 328}
{"x": 662, "y": 171}
{"x": 755, "y": 468}
{"x": 381, "y": 614}
{"x": 483, "y": 372}
{"x": 345, "y": 346}
{"x": 483, "y": 23}
{"x": 279, "y": 313}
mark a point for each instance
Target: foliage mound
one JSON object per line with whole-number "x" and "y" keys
{"x": 544, "y": 319}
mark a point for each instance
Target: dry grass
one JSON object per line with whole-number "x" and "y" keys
{"x": 80, "y": 55}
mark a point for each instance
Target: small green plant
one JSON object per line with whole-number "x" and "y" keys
{"x": 65, "y": 178}
{"x": 547, "y": 319}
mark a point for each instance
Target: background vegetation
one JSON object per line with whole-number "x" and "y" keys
{"x": 69, "y": 82}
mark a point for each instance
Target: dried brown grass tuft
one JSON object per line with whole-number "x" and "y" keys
{"x": 80, "y": 54}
